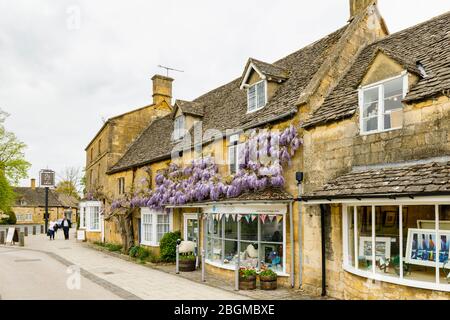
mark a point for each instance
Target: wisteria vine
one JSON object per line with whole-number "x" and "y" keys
{"x": 261, "y": 165}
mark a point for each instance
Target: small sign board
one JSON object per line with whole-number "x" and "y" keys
{"x": 81, "y": 235}
{"x": 12, "y": 236}
{"x": 47, "y": 178}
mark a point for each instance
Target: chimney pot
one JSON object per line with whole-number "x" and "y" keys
{"x": 162, "y": 89}
{"x": 33, "y": 184}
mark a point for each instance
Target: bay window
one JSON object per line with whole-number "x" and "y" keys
{"x": 90, "y": 216}
{"x": 154, "y": 225}
{"x": 381, "y": 107}
{"x": 399, "y": 243}
{"x": 256, "y": 96}
{"x": 261, "y": 238}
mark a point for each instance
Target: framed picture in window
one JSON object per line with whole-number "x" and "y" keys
{"x": 421, "y": 247}
{"x": 390, "y": 218}
{"x": 382, "y": 247}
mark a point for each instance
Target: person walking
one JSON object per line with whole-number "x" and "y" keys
{"x": 51, "y": 230}
{"x": 66, "y": 225}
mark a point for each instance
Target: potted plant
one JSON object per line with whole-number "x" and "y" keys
{"x": 247, "y": 278}
{"x": 187, "y": 263}
{"x": 268, "y": 279}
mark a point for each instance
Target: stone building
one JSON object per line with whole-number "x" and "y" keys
{"x": 185, "y": 169}
{"x": 30, "y": 205}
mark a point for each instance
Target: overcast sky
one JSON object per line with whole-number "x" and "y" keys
{"x": 66, "y": 65}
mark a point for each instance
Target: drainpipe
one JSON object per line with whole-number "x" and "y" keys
{"x": 322, "y": 229}
{"x": 291, "y": 224}
{"x": 299, "y": 177}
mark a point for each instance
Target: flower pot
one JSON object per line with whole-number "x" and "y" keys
{"x": 268, "y": 283}
{"x": 248, "y": 283}
{"x": 186, "y": 265}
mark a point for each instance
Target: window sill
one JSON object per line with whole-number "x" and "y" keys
{"x": 256, "y": 110}
{"x": 92, "y": 230}
{"x": 378, "y": 132}
{"x": 149, "y": 244}
{"x": 233, "y": 268}
{"x": 398, "y": 281}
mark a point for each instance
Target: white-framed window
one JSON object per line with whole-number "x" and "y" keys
{"x": 179, "y": 127}
{"x": 261, "y": 242}
{"x": 381, "y": 107}
{"x": 257, "y": 96}
{"x": 234, "y": 151}
{"x": 191, "y": 227}
{"x": 24, "y": 217}
{"x": 121, "y": 185}
{"x": 154, "y": 225}
{"x": 90, "y": 216}
{"x": 401, "y": 243}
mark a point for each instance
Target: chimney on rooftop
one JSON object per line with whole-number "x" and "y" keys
{"x": 358, "y": 6}
{"x": 33, "y": 184}
{"x": 162, "y": 89}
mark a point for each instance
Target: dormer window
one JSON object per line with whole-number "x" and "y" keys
{"x": 381, "y": 107}
{"x": 257, "y": 96}
{"x": 179, "y": 128}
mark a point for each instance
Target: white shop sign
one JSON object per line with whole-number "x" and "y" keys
{"x": 10, "y": 235}
{"x": 250, "y": 209}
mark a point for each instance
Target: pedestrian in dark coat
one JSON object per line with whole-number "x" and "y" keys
{"x": 66, "y": 224}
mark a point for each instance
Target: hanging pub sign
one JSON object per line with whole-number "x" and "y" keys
{"x": 47, "y": 178}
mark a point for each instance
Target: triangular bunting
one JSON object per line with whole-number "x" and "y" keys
{"x": 233, "y": 217}
{"x": 227, "y": 216}
{"x": 271, "y": 217}
{"x": 248, "y": 217}
{"x": 263, "y": 218}
{"x": 239, "y": 217}
{"x": 253, "y": 216}
{"x": 220, "y": 215}
{"x": 279, "y": 218}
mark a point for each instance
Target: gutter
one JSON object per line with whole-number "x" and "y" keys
{"x": 411, "y": 195}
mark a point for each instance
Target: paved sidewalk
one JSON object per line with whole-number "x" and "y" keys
{"x": 122, "y": 277}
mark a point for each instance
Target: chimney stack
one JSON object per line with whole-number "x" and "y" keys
{"x": 162, "y": 89}
{"x": 358, "y": 6}
{"x": 33, "y": 184}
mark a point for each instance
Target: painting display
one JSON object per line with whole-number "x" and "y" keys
{"x": 422, "y": 247}
{"x": 382, "y": 248}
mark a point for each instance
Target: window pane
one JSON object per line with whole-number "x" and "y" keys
{"x": 393, "y": 119}
{"x": 232, "y": 159}
{"x": 351, "y": 236}
{"x": 251, "y": 98}
{"x": 249, "y": 228}
{"x": 371, "y": 96}
{"x": 261, "y": 92}
{"x": 230, "y": 252}
{"x": 364, "y": 224}
{"x": 272, "y": 256}
{"x": 216, "y": 255}
{"x": 419, "y": 243}
{"x": 272, "y": 231}
{"x": 387, "y": 248}
{"x": 444, "y": 236}
{"x": 230, "y": 228}
{"x": 370, "y": 124}
{"x": 249, "y": 254}
{"x": 393, "y": 88}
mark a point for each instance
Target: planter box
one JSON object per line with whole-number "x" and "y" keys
{"x": 268, "y": 283}
{"x": 248, "y": 283}
{"x": 186, "y": 265}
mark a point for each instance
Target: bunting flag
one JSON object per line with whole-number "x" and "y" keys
{"x": 279, "y": 218}
{"x": 254, "y": 216}
{"x": 271, "y": 217}
{"x": 248, "y": 217}
{"x": 263, "y": 217}
{"x": 233, "y": 217}
{"x": 220, "y": 215}
{"x": 239, "y": 217}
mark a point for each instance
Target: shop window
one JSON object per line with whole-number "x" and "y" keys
{"x": 154, "y": 226}
{"x": 94, "y": 219}
{"x": 261, "y": 240}
{"x": 403, "y": 244}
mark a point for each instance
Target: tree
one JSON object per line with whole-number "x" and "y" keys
{"x": 7, "y": 195}
{"x": 12, "y": 157}
{"x": 70, "y": 182}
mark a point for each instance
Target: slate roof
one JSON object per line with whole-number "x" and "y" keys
{"x": 426, "y": 43}
{"x": 424, "y": 179}
{"x": 68, "y": 201}
{"x": 268, "y": 69}
{"x": 36, "y": 197}
{"x": 189, "y": 107}
{"x": 226, "y": 107}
